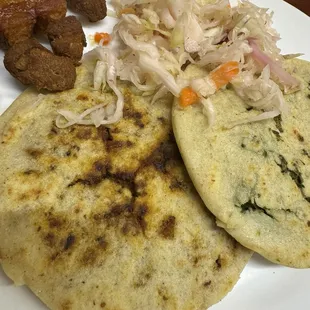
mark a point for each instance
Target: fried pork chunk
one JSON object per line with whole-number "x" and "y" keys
{"x": 18, "y": 17}
{"x": 94, "y": 10}
{"x": 31, "y": 63}
{"x": 48, "y": 11}
{"x": 67, "y": 38}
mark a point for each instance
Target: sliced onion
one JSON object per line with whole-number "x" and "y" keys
{"x": 284, "y": 77}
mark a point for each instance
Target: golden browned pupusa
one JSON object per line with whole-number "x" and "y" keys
{"x": 107, "y": 218}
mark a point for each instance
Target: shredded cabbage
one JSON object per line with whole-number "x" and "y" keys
{"x": 97, "y": 115}
{"x": 159, "y": 38}
{"x": 262, "y": 94}
{"x": 208, "y": 110}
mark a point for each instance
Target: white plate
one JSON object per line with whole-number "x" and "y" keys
{"x": 263, "y": 285}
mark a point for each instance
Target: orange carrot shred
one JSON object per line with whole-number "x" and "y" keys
{"x": 105, "y": 37}
{"x": 188, "y": 97}
{"x": 126, "y": 11}
{"x": 223, "y": 74}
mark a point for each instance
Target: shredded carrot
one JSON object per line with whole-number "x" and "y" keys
{"x": 126, "y": 11}
{"x": 223, "y": 74}
{"x": 105, "y": 37}
{"x": 188, "y": 97}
